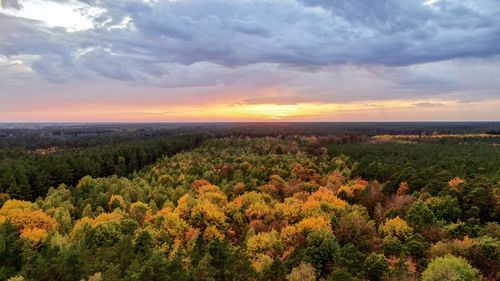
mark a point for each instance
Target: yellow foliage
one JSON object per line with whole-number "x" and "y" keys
{"x": 288, "y": 235}
{"x": 213, "y": 194}
{"x": 258, "y": 210}
{"x": 211, "y": 233}
{"x": 2, "y": 219}
{"x": 35, "y": 235}
{"x": 84, "y": 222}
{"x": 174, "y": 225}
{"x": 14, "y": 204}
{"x": 396, "y": 227}
{"x": 349, "y": 190}
{"x": 184, "y": 205}
{"x": 105, "y": 217}
{"x": 311, "y": 207}
{"x": 26, "y": 218}
{"x": 264, "y": 243}
{"x": 248, "y": 198}
{"x": 314, "y": 223}
{"x": 290, "y": 209}
{"x": 208, "y": 213}
{"x": 261, "y": 262}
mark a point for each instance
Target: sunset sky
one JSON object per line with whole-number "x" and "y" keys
{"x": 249, "y": 60}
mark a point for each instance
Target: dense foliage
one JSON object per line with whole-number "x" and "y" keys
{"x": 258, "y": 209}
{"x": 29, "y": 175}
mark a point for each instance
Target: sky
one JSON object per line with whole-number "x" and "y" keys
{"x": 249, "y": 60}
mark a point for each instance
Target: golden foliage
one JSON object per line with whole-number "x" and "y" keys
{"x": 314, "y": 223}
{"x": 258, "y": 210}
{"x": 26, "y": 219}
{"x": 32, "y": 224}
{"x": 290, "y": 209}
{"x": 396, "y": 227}
{"x": 213, "y": 194}
{"x": 268, "y": 243}
{"x": 289, "y": 234}
{"x": 105, "y": 217}
{"x": 326, "y": 195}
{"x": 211, "y": 233}
{"x": 209, "y": 213}
{"x": 174, "y": 225}
{"x": 35, "y": 235}
{"x": 14, "y": 204}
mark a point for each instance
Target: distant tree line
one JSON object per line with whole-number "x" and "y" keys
{"x": 29, "y": 175}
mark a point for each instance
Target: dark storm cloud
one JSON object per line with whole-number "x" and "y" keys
{"x": 135, "y": 40}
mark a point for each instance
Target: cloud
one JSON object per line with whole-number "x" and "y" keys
{"x": 11, "y": 4}
{"x": 427, "y": 104}
{"x": 282, "y": 52}
{"x": 138, "y": 40}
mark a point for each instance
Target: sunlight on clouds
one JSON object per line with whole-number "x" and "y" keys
{"x": 15, "y": 63}
{"x": 68, "y": 16}
{"x": 392, "y": 110}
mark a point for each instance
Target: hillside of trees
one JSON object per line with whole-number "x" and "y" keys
{"x": 272, "y": 208}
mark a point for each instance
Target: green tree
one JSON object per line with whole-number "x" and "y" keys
{"x": 420, "y": 216}
{"x": 376, "y": 266}
{"x": 322, "y": 250}
{"x": 450, "y": 268}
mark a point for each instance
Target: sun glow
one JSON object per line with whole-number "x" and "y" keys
{"x": 241, "y": 112}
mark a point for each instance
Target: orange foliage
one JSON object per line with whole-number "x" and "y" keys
{"x": 326, "y": 195}
{"x": 35, "y": 235}
{"x": 31, "y": 223}
{"x": 199, "y": 183}
{"x": 191, "y": 234}
{"x": 26, "y": 219}
{"x": 403, "y": 188}
{"x": 455, "y": 182}
{"x": 335, "y": 179}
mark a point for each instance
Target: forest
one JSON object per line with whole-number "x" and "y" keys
{"x": 284, "y": 201}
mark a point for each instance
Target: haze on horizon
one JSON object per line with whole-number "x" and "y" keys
{"x": 249, "y": 60}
